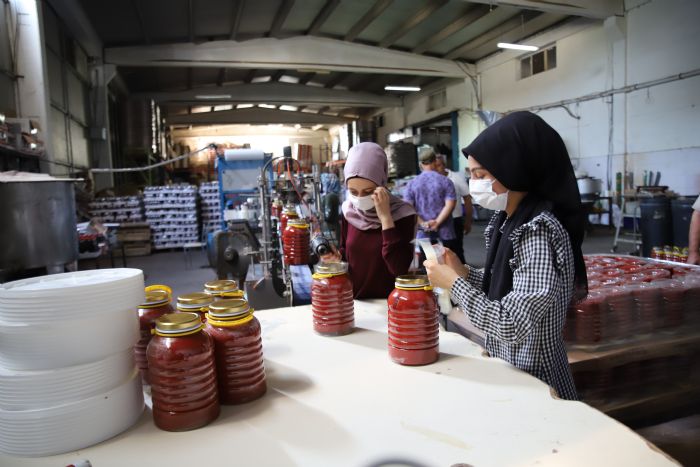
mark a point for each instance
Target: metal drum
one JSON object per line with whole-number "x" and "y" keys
{"x": 38, "y": 226}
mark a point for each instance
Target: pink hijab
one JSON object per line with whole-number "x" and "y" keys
{"x": 368, "y": 161}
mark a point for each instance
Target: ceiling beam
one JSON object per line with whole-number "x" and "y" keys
{"x": 493, "y": 34}
{"x": 236, "y": 18}
{"x": 470, "y": 15}
{"x": 253, "y": 116}
{"x": 336, "y": 80}
{"x": 322, "y": 16}
{"x": 300, "y": 52}
{"x": 280, "y": 17}
{"x": 142, "y": 25}
{"x": 249, "y": 77}
{"x": 276, "y": 76}
{"x": 421, "y": 15}
{"x": 307, "y": 77}
{"x": 221, "y": 79}
{"x": 373, "y": 13}
{"x": 598, "y": 9}
{"x": 274, "y": 93}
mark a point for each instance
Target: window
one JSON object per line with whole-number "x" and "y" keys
{"x": 541, "y": 61}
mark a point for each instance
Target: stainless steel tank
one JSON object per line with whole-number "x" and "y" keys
{"x": 37, "y": 225}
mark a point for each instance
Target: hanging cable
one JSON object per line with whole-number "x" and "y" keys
{"x": 153, "y": 166}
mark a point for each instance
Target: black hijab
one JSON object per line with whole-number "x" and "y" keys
{"x": 524, "y": 153}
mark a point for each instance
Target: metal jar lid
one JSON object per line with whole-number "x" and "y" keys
{"x": 220, "y": 286}
{"x": 298, "y": 223}
{"x": 156, "y": 297}
{"x": 331, "y": 267}
{"x": 194, "y": 300}
{"x": 176, "y": 323}
{"x": 229, "y": 308}
{"x": 412, "y": 281}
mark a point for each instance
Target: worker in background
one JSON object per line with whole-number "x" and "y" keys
{"x": 377, "y": 228}
{"x": 433, "y": 196}
{"x": 534, "y": 266}
{"x": 462, "y": 213}
{"x": 694, "y": 235}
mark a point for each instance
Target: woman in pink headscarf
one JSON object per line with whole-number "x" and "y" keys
{"x": 377, "y": 228}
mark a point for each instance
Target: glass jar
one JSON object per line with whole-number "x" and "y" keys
{"x": 672, "y": 300}
{"x": 590, "y": 327}
{"x": 156, "y": 305}
{"x": 647, "y": 306}
{"x": 620, "y": 312}
{"x": 413, "y": 321}
{"x": 222, "y": 289}
{"x": 289, "y": 212}
{"x": 332, "y": 300}
{"x": 296, "y": 241}
{"x": 197, "y": 302}
{"x": 238, "y": 351}
{"x": 183, "y": 374}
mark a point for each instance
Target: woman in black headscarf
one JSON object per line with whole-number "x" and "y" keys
{"x": 534, "y": 267}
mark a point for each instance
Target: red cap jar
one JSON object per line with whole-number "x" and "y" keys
{"x": 620, "y": 312}
{"x": 332, "y": 300}
{"x": 238, "y": 351}
{"x": 413, "y": 321}
{"x": 197, "y": 302}
{"x": 157, "y": 304}
{"x": 647, "y": 303}
{"x": 223, "y": 289}
{"x": 182, "y": 372}
{"x": 296, "y": 241}
{"x": 589, "y": 318}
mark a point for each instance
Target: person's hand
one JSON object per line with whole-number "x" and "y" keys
{"x": 382, "y": 202}
{"x": 694, "y": 258}
{"x": 450, "y": 258}
{"x": 432, "y": 225}
{"x": 467, "y": 228}
{"x": 333, "y": 257}
{"x": 440, "y": 275}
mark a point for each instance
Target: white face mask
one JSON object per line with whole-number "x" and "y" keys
{"x": 364, "y": 203}
{"x": 482, "y": 193}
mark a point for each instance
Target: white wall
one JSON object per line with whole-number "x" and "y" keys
{"x": 652, "y": 129}
{"x": 269, "y": 138}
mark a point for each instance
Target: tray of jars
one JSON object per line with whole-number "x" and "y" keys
{"x": 631, "y": 298}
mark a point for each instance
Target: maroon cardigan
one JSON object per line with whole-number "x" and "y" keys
{"x": 372, "y": 273}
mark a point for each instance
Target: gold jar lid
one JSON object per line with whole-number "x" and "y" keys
{"x": 298, "y": 223}
{"x": 156, "y": 297}
{"x": 411, "y": 281}
{"x": 331, "y": 267}
{"x": 229, "y": 308}
{"x": 176, "y": 323}
{"x": 219, "y": 286}
{"x": 195, "y": 300}
{"x": 290, "y": 209}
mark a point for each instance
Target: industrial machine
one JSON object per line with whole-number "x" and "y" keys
{"x": 249, "y": 246}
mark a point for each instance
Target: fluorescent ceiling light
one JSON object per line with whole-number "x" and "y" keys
{"x": 317, "y": 127}
{"x": 402, "y": 88}
{"x": 213, "y": 96}
{"x": 289, "y": 108}
{"x": 528, "y": 48}
{"x": 297, "y": 126}
{"x": 245, "y": 106}
{"x": 267, "y": 106}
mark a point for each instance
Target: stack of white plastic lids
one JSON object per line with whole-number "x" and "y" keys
{"x": 67, "y": 374}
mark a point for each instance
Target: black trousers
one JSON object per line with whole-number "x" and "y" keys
{"x": 458, "y": 243}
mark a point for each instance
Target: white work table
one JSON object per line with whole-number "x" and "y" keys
{"x": 340, "y": 401}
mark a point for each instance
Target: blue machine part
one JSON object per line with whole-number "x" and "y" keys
{"x": 238, "y": 179}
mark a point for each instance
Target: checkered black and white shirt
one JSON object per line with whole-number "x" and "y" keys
{"x": 525, "y": 327}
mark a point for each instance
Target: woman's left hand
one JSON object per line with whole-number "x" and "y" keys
{"x": 440, "y": 275}
{"x": 382, "y": 202}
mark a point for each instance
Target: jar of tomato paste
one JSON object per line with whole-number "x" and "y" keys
{"x": 289, "y": 212}
{"x": 182, "y": 373}
{"x": 332, "y": 300}
{"x": 296, "y": 241}
{"x": 223, "y": 289}
{"x": 413, "y": 321}
{"x": 157, "y": 304}
{"x": 197, "y": 302}
{"x": 238, "y": 351}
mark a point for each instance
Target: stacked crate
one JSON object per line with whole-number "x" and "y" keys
{"x": 117, "y": 209}
{"x": 136, "y": 238}
{"x": 210, "y": 207}
{"x": 171, "y": 211}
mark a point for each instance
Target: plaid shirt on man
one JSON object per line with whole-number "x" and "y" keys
{"x": 525, "y": 327}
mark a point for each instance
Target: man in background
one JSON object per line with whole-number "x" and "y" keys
{"x": 433, "y": 197}
{"x": 462, "y": 213}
